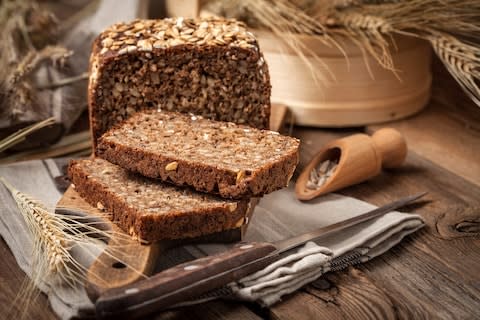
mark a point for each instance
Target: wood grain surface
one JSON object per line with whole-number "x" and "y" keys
{"x": 432, "y": 274}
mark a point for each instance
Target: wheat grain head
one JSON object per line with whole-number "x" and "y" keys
{"x": 462, "y": 61}
{"x": 53, "y": 237}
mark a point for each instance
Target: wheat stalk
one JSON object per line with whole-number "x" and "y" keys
{"x": 51, "y": 246}
{"x": 21, "y": 134}
{"x": 32, "y": 60}
{"x": 451, "y": 26}
{"x": 73, "y": 145}
{"x": 371, "y": 23}
{"x": 63, "y": 82}
{"x": 28, "y": 43}
{"x": 415, "y": 16}
{"x": 462, "y": 61}
{"x": 286, "y": 21}
{"x": 369, "y": 32}
{"x": 50, "y": 250}
{"x": 53, "y": 236}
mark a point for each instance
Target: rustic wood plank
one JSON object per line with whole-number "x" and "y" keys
{"x": 455, "y": 204}
{"x": 342, "y": 295}
{"x": 417, "y": 282}
{"x": 210, "y": 310}
{"x": 447, "y": 132}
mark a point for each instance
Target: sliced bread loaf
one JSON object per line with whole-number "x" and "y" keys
{"x": 149, "y": 210}
{"x": 211, "y": 67}
{"x": 224, "y": 158}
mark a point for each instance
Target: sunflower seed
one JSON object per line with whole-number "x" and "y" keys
{"x": 320, "y": 174}
{"x": 171, "y": 166}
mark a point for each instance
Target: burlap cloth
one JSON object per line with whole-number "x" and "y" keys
{"x": 278, "y": 216}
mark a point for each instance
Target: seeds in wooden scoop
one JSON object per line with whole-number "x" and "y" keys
{"x": 320, "y": 174}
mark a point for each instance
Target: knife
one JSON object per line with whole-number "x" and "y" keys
{"x": 191, "y": 279}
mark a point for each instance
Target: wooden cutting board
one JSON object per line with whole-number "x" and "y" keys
{"x": 131, "y": 260}
{"x": 136, "y": 261}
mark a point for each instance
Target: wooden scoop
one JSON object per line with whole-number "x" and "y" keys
{"x": 135, "y": 261}
{"x": 359, "y": 157}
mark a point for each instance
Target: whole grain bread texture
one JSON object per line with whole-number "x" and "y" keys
{"x": 149, "y": 210}
{"x": 210, "y": 67}
{"x": 234, "y": 161}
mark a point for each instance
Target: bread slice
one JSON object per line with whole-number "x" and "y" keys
{"x": 211, "y": 67}
{"x": 149, "y": 210}
{"x": 224, "y": 158}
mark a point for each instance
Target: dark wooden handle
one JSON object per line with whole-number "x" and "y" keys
{"x": 182, "y": 282}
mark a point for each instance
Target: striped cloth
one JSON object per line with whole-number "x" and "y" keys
{"x": 279, "y": 215}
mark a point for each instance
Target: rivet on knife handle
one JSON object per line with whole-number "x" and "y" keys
{"x": 181, "y": 282}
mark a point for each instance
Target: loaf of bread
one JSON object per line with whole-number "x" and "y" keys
{"x": 211, "y": 67}
{"x": 149, "y": 210}
{"x": 234, "y": 161}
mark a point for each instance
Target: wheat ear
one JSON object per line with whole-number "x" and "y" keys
{"x": 53, "y": 236}
{"x": 21, "y": 134}
{"x": 287, "y": 21}
{"x": 451, "y": 26}
{"x": 369, "y": 33}
{"x": 462, "y": 61}
{"x": 50, "y": 248}
{"x": 47, "y": 228}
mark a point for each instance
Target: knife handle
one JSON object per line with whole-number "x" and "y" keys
{"x": 182, "y": 282}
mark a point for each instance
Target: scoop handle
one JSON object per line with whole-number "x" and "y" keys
{"x": 391, "y": 146}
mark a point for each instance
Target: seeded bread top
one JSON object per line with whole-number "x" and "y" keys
{"x": 145, "y": 194}
{"x": 146, "y": 35}
{"x": 193, "y": 139}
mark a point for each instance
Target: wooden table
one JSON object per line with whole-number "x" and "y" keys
{"x": 434, "y": 273}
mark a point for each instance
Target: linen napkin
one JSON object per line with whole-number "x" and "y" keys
{"x": 279, "y": 215}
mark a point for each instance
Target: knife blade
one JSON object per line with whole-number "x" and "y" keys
{"x": 193, "y": 278}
